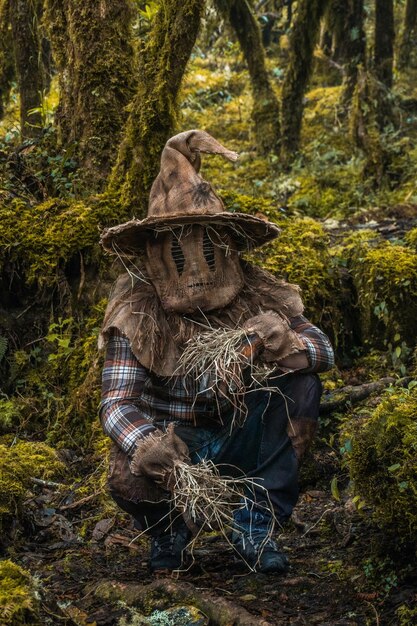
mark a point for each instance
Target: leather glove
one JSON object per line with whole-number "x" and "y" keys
{"x": 156, "y": 454}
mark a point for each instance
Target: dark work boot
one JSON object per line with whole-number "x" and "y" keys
{"x": 260, "y": 552}
{"x": 251, "y": 538}
{"x": 168, "y": 549}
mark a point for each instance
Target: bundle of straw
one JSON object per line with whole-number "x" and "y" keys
{"x": 215, "y": 358}
{"x": 208, "y": 499}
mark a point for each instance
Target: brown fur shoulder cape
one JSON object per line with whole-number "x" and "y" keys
{"x": 157, "y": 337}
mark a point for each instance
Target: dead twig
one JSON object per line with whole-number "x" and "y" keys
{"x": 75, "y": 505}
{"x": 46, "y": 483}
{"x": 352, "y": 394}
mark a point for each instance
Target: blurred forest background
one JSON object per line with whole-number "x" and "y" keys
{"x": 319, "y": 97}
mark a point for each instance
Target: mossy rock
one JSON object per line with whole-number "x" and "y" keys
{"x": 18, "y": 596}
{"x": 38, "y": 240}
{"x": 301, "y": 255}
{"x": 382, "y": 453}
{"x": 19, "y": 462}
{"x": 385, "y": 278}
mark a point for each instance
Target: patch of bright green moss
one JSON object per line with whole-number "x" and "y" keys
{"x": 61, "y": 386}
{"x": 39, "y": 239}
{"x": 300, "y": 255}
{"x": 411, "y": 238}
{"x": 385, "y": 278}
{"x": 18, "y": 596}
{"x": 382, "y": 461}
{"x": 19, "y": 463}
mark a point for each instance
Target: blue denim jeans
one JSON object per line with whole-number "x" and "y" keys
{"x": 260, "y": 449}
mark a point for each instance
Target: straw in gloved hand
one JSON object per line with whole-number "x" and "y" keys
{"x": 225, "y": 360}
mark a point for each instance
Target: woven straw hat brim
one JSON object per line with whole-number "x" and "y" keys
{"x": 247, "y": 230}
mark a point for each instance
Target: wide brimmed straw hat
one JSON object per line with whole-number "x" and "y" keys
{"x": 180, "y": 196}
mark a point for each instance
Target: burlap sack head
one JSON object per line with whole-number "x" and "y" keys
{"x": 190, "y": 243}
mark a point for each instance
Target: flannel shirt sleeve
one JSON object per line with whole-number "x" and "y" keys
{"x": 123, "y": 378}
{"x": 319, "y": 350}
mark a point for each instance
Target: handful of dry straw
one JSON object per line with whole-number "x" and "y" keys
{"x": 207, "y": 499}
{"x": 214, "y": 359}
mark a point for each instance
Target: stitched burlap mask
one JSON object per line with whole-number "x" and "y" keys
{"x": 194, "y": 267}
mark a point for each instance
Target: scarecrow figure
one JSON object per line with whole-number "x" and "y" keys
{"x": 185, "y": 274}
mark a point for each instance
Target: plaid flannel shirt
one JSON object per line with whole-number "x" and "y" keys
{"x": 133, "y": 398}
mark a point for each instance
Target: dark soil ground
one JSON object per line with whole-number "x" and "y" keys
{"x": 330, "y": 582}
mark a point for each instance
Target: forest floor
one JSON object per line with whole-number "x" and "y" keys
{"x": 325, "y": 542}
{"x": 90, "y": 580}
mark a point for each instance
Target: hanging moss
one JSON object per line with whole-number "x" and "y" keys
{"x": 18, "y": 464}
{"x": 153, "y": 111}
{"x": 19, "y": 599}
{"x": 382, "y": 462}
{"x": 91, "y": 43}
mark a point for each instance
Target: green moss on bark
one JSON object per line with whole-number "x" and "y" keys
{"x": 92, "y": 48}
{"x": 153, "y": 111}
{"x": 382, "y": 462}
{"x": 265, "y": 111}
{"x": 7, "y": 66}
{"x": 303, "y": 39}
{"x": 24, "y": 17}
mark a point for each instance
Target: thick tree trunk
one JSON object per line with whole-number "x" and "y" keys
{"x": 7, "y": 68}
{"x": 303, "y": 39}
{"x": 91, "y": 43}
{"x": 24, "y": 21}
{"x": 153, "y": 111}
{"x": 265, "y": 103}
{"x": 409, "y": 35}
{"x": 334, "y": 36}
{"x": 384, "y": 41}
{"x": 355, "y": 48}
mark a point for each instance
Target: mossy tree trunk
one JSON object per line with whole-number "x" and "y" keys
{"x": 303, "y": 39}
{"x": 153, "y": 111}
{"x": 24, "y": 18}
{"x": 91, "y": 44}
{"x": 265, "y": 110}
{"x": 384, "y": 41}
{"x": 334, "y": 36}
{"x": 7, "y": 67}
{"x": 367, "y": 119}
{"x": 355, "y": 48}
{"x": 409, "y": 34}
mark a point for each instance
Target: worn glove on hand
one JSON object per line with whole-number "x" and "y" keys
{"x": 278, "y": 339}
{"x": 156, "y": 454}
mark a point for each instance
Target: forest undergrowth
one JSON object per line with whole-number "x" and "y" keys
{"x": 349, "y": 239}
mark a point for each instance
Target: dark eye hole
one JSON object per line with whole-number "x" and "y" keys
{"x": 208, "y": 251}
{"x": 177, "y": 255}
